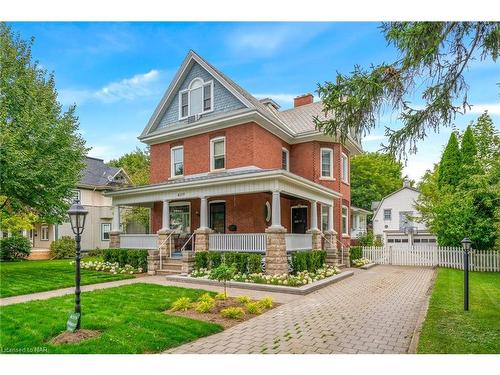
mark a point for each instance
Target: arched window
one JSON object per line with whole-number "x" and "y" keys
{"x": 196, "y": 99}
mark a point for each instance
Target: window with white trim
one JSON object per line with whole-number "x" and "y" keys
{"x": 44, "y": 233}
{"x": 285, "y": 159}
{"x": 345, "y": 220}
{"x": 177, "y": 161}
{"x": 387, "y": 214}
{"x": 217, "y": 153}
{"x": 345, "y": 168}
{"x": 105, "y": 229}
{"x": 324, "y": 218}
{"x": 196, "y": 99}
{"x": 326, "y": 163}
{"x": 180, "y": 216}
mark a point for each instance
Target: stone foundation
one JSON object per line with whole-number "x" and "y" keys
{"x": 114, "y": 239}
{"x": 332, "y": 255}
{"x": 276, "y": 257}
{"x": 201, "y": 239}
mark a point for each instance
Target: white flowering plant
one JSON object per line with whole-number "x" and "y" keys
{"x": 298, "y": 279}
{"x": 360, "y": 262}
{"x": 110, "y": 267}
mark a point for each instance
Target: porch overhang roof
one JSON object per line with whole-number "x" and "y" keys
{"x": 215, "y": 184}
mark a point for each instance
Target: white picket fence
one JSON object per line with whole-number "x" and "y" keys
{"x": 432, "y": 256}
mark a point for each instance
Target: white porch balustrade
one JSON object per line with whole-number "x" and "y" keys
{"x": 295, "y": 241}
{"x": 139, "y": 241}
{"x": 245, "y": 242}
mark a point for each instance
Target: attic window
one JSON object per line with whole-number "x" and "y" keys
{"x": 196, "y": 99}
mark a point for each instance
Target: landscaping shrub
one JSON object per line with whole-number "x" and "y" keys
{"x": 266, "y": 302}
{"x": 220, "y": 296}
{"x": 242, "y": 262}
{"x": 205, "y": 297}
{"x": 15, "y": 247}
{"x": 233, "y": 313}
{"x": 181, "y": 304}
{"x": 308, "y": 260}
{"x": 137, "y": 258}
{"x": 254, "y": 308}
{"x": 95, "y": 252}
{"x": 356, "y": 253}
{"x": 243, "y": 299}
{"x": 64, "y": 247}
{"x": 205, "y": 306}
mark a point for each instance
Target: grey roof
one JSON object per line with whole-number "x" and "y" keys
{"x": 97, "y": 173}
{"x": 300, "y": 119}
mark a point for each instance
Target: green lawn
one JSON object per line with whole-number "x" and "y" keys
{"x": 131, "y": 319}
{"x": 449, "y": 329}
{"x": 33, "y": 276}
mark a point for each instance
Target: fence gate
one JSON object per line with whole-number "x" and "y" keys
{"x": 431, "y": 256}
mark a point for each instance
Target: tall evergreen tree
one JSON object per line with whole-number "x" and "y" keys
{"x": 450, "y": 167}
{"x": 468, "y": 149}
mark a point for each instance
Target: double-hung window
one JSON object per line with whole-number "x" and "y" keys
{"x": 177, "y": 157}
{"x": 196, "y": 99}
{"x": 217, "y": 153}
{"x": 345, "y": 220}
{"x": 285, "y": 159}
{"x": 326, "y": 167}
{"x": 345, "y": 168}
{"x": 105, "y": 229}
{"x": 387, "y": 214}
{"x": 324, "y": 218}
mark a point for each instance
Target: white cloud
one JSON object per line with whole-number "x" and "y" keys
{"x": 492, "y": 108}
{"x": 140, "y": 85}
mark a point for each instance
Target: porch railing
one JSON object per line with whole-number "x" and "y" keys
{"x": 295, "y": 241}
{"x": 247, "y": 242}
{"x": 139, "y": 241}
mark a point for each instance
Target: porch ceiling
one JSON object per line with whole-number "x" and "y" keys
{"x": 227, "y": 184}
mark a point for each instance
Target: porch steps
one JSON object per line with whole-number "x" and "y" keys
{"x": 171, "y": 266}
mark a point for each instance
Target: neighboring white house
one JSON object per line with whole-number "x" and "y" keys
{"x": 393, "y": 219}
{"x": 358, "y": 222}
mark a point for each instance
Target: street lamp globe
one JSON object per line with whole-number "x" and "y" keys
{"x": 466, "y": 244}
{"x": 77, "y": 214}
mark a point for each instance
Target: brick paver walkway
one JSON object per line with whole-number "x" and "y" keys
{"x": 374, "y": 311}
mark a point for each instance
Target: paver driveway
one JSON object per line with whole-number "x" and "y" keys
{"x": 374, "y": 311}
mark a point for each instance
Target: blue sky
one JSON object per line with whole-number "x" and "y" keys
{"x": 116, "y": 73}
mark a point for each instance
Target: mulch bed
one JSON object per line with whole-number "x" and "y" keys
{"x": 215, "y": 316}
{"x": 74, "y": 337}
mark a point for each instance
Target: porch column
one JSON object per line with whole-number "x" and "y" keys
{"x": 201, "y": 236}
{"x": 276, "y": 257}
{"x": 114, "y": 235}
{"x": 314, "y": 230}
{"x": 165, "y": 217}
{"x": 332, "y": 256}
{"x": 276, "y": 210}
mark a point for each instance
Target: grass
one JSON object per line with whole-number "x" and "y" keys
{"x": 32, "y": 276}
{"x": 131, "y": 319}
{"x": 450, "y": 329}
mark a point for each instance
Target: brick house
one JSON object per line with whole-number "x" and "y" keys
{"x": 231, "y": 172}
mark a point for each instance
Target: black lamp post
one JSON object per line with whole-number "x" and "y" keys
{"x": 77, "y": 214}
{"x": 466, "y": 244}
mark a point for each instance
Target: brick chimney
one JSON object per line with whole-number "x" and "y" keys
{"x": 302, "y": 100}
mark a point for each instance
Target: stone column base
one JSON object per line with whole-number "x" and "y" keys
{"x": 276, "y": 257}
{"x": 187, "y": 262}
{"x": 201, "y": 239}
{"x": 153, "y": 261}
{"x": 316, "y": 238}
{"x": 347, "y": 252}
{"x": 332, "y": 256}
{"x": 114, "y": 239}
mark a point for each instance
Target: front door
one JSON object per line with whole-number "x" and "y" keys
{"x": 299, "y": 219}
{"x": 218, "y": 217}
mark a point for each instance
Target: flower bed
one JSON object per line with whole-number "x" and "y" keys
{"x": 298, "y": 279}
{"x": 360, "y": 262}
{"x": 111, "y": 267}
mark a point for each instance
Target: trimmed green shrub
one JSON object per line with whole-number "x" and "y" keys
{"x": 308, "y": 260}
{"x": 356, "y": 253}
{"x": 254, "y": 308}
{"x": 137, "y": 258}
{"x": 181, "y": 304}
{"x": 243, "y": 262}
{"x": 95, "y": 252}
{"x": 243, "y": 299}
{"x": 233, "y": 313}
{"x": 266, "y": 302}
{"x": 14, "y": 247}
{"x": 205, "y": 306}
{"x": 64, "y": 247}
